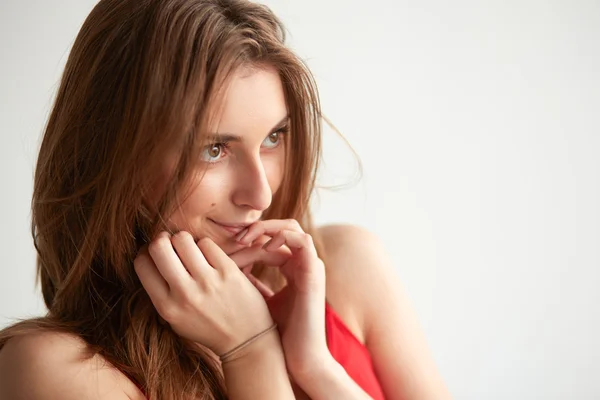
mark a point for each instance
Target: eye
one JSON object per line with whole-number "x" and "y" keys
{"x": 213, "y": 152}
{"x": 273, "y": 140}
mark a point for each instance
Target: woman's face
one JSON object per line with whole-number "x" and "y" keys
{"x": 244, "y": 166}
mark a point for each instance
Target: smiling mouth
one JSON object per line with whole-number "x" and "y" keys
{"x": 233, "y": 229}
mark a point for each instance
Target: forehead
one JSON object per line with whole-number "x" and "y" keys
{"x": 253, "y": 102}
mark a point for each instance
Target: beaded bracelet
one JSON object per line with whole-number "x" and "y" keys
{"x": 227, "y": 356}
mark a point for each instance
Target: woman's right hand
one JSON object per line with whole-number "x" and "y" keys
{"x": 201, "y": 292}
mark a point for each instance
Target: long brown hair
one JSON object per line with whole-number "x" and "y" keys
{"x": 139, "y": 81}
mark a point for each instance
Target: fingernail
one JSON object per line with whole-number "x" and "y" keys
{"x": 241, "y": 235}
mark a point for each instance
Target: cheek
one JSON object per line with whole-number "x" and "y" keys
{"x": 275, "y": 168}
{"x": 199, "y": 202}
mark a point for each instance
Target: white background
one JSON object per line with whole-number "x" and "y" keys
{"x": 477, "y": 123}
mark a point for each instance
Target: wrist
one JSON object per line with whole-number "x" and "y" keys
{"x": 238, "y": 350}
{"x": 331, "y": 381}
{"x": 259, "y": 372}
{"x": 267, "y": 347}
{"x": 322, "y": 367}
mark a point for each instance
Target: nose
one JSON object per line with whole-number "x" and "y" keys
{"x": 253, "y": 189}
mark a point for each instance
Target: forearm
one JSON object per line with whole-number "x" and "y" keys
{"x": 260, "y": 373}
{"x": 331, "y": 382}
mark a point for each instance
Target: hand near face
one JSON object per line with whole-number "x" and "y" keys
{"x": 205, "y": 297}
{"x": 201, "y": 292}
{"x": 299, "y": 308}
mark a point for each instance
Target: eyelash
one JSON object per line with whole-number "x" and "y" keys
{"x": 226, "y": 145}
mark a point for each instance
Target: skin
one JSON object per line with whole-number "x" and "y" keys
{"x": 241, "y": 178}
{"x": 185, "y": 277}
{"x": 234, "y": 186}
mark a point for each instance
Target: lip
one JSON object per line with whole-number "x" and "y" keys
{"x": 233, "y": 228}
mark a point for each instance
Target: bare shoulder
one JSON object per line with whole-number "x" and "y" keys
{"x": 358, "y": 268}
{"x": 49, "y": 365}
{"x": 362, "y": 284}
{"x": 353, "y": 253}
{"x": 338, "y": 237}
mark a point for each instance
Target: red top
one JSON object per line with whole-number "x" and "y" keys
{"x": 351, "y": 354}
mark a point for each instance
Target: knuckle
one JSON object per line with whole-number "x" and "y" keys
{"x": 230, "y": 270}
{"x": 159, "y": 244}
{"x": 204, "y": 241}
{"x": 279, "y": 236}
{"x": 253, "y": 229}
{"x": 187, "y": 298}
{"x": 210, "y": 290}
{"x": 182, "y": 236}
{"x": 229, "y": 264}
{"x": 308, "y": 240}
{"x": 224, "y": 273}
{"x": 168, "y": 311}
{"x": 292, "y": 223}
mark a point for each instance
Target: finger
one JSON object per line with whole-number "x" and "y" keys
{"x": 150, "y": 278}
{"x": 276, "y": 241}
{"x": 305, "y": 268}
{"x": 167, "y": 262}
{"x": 214, "y": 255}
{"x": 295, "y": 241}
{"x": 269, "y": 227}
{"x": 266, "y": 291}
{"x": 256, "y": 253}
{"x": 247, "y": 270}
{"x": 190, "y": 255}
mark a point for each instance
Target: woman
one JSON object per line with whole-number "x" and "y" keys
{"x": 175, "y": 248}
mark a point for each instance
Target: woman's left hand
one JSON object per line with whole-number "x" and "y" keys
{"x": 299, "y": 308}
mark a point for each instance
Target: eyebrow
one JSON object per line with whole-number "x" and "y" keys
{"x": 229, "y": 137}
